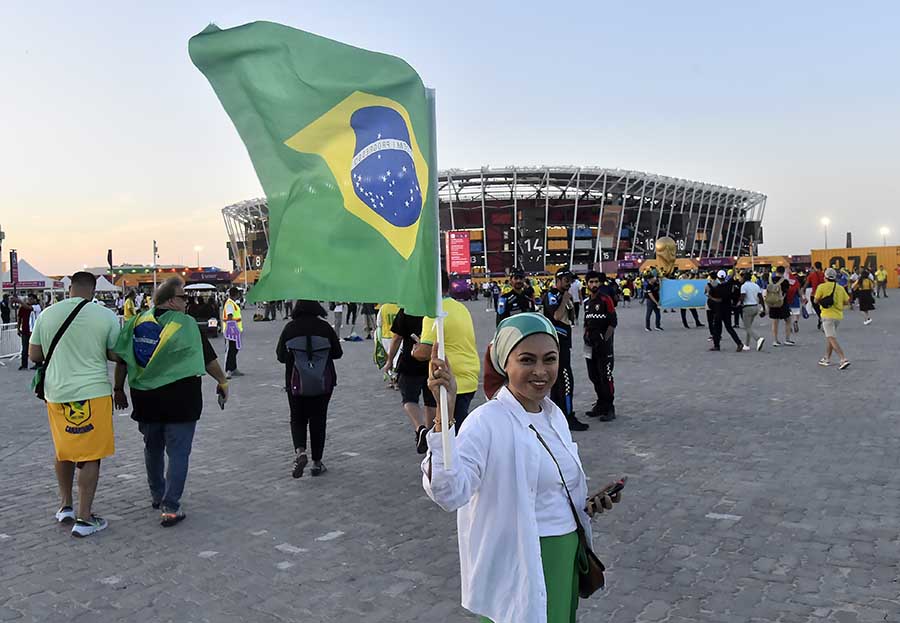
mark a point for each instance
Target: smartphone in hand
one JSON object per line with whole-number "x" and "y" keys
{"x": 615, "y": 487}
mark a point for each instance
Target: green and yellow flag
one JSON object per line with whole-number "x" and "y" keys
{"x": 341, "y": 142}
{"x": 159, "y": 351}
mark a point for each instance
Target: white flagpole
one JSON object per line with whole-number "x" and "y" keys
{"x": 439, "y": 320}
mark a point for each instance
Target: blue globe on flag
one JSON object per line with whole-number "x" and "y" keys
{"x": 383, "y": 172}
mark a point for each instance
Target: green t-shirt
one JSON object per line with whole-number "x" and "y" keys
{"x": 78, "y": 369}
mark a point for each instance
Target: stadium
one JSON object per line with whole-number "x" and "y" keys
{"x": 540, "y": 218}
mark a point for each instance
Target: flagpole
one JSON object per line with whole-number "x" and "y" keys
{"x": 439, "y": 319}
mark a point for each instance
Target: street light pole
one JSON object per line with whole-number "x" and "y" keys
{"x": 825, "y": 222}
{"x": 155, "y": 254}
{"x": 884, "y": 233}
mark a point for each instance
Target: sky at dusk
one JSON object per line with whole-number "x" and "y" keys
{"x": 112, "y": 138}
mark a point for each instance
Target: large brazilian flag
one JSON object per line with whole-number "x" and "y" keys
{"x": 341, "y": 142}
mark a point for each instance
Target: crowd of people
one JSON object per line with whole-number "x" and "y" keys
{"x": 526, "y": 373}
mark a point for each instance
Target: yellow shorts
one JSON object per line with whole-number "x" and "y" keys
{"x": 82, "y": 431}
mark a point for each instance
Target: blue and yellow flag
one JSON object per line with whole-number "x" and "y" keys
{"x": 341, "y": 141}
{"x": 682, "y": 293}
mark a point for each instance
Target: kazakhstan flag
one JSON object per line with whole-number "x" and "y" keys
{"x": 682, "y": 293}
{"x": 341, "y": 142}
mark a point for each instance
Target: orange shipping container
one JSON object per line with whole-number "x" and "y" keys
{"x": 871, "y": 257}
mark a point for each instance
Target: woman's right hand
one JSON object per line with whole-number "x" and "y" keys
{"x": 440, "y": 375}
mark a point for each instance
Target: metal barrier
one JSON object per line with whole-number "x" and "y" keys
{"x": 10, "y": 342}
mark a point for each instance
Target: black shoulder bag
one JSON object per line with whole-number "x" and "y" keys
{"x": 587, "y": 565}
{"x": 828, "y": 300}
{"x": 37, "y": 383}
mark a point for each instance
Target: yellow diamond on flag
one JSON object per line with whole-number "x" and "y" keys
{"x": 370, "y": 147}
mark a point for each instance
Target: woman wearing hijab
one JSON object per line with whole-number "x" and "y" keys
{"x": 517, "y": 530}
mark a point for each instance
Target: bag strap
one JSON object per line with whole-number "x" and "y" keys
{"x": 578, "y": 525}
{"x": 62, "y": 329}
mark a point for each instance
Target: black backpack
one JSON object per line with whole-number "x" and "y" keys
{"x": 313, "y": 373}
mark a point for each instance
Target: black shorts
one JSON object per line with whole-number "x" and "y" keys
{"x": 780, "y": 313}
{"x": 412, "y": 386}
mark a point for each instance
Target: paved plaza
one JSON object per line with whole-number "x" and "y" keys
{"x": 762, "y": 487}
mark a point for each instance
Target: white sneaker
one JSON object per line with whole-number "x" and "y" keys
{"x": 867, "y": 322}
{"x": 83, "y": 528}
{"x": 65, "y": 514}
{"x": 745, "y": 348}
{"x": 759, "y": 343}
{"x": 776, "y": 343}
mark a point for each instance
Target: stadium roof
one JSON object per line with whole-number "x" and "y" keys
{"x": 460, "y": 185}
{"x": 467, "y": 184}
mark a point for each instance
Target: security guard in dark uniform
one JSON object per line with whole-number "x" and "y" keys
{"x": 560, "y": 310}
{"x": 515, "y": 301}
{"x": 600, "y": 321}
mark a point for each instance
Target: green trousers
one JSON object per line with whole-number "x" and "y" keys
{"x": 558, "y": 560}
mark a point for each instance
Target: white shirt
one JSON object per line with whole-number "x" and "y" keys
{"x": 339, "y": 307}
{"x": 32, "y": 318}
{"x": 575, "y": 291}
{"x": 750, "y": 293}
{"x": 493, "y": 487}
{"x": 551, "y": 506}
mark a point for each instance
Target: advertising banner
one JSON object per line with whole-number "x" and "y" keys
{"x": 609, "y": 222}
{"x": 13, "y": 267}
{"x": 716, "y": 262}
{"x": 458, "y": 254}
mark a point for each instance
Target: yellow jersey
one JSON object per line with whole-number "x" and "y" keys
{"x": 841, "y": 300}
{"x": 128, "y": 309}
{"x": 459, "y": 344}
{"x": 387, "y": 311}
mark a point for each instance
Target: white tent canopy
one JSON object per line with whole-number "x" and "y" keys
{"x": 30, "y": 278}
{"x": 103, "y": 284}
{"x": 201, "y": 287}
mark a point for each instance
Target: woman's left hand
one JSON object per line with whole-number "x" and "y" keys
{"x": 602, "y": 501}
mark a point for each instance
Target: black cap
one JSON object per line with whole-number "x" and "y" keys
{"x": 517, "y": 272}
{"x": 562, "y": 273}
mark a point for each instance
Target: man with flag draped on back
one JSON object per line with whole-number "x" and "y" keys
{"x": 341, "y": 141}
{"x": 165, "y": 355}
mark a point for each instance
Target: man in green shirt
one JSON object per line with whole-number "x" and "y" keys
{"x": 78, "y": 394}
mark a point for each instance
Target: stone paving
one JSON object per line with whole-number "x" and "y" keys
{"x": 762, "y": 487}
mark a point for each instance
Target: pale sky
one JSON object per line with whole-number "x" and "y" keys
{"x": 112, "y": 138}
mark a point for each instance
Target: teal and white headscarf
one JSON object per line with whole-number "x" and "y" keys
{"x": 515, "y": 329}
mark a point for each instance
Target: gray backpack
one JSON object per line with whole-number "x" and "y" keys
{"x": 313, "y": 374}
